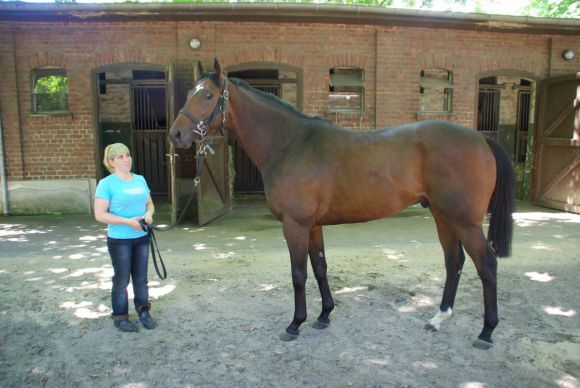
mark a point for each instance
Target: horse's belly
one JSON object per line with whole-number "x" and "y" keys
{"x": 367, "y": 207}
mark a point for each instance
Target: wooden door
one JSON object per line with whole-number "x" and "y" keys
{"x": 556, "y": 167}
{"x": 213, "y": 199}
{"x": 171, "y": 155}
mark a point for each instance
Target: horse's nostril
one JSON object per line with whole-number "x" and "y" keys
{"x": 175, "y": 136}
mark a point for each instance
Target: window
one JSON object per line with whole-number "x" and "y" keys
{"x": 49, "y": 90}
{"x": 436, "y": 91}
{"x": 346, "y": 90}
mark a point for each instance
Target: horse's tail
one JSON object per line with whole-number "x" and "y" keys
{"x": 502, "y": 203}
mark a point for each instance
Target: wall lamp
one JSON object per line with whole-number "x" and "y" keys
{"x": 194, "y": 44}
{"x": 568, "y": 55}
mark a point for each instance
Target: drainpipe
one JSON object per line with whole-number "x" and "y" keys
{"x": 3, "y": 172}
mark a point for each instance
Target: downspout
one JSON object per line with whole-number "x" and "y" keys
{"x": 376, "y": 75}
{"x": 18, "y": 107}
{"x": 5, "y": 207}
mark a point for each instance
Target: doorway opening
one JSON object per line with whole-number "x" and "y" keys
{"x": 132, "y": 109}
{"x": 505, "y": 112}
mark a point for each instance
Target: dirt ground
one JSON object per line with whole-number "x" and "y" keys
{"x": 229, "y": 296}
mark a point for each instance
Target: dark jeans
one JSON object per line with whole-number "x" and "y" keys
{"x": 129, "y": 257}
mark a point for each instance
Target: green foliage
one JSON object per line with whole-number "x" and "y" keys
{"x": 50, "y": 94}
{"x": 541, "y": 8}
{"x": 554, "y": 8}
{"x": 51, "y": 84}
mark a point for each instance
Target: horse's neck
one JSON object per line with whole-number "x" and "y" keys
{"x": 264, "y": 130}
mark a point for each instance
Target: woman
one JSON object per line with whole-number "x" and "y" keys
{"x": 122, "y": 200}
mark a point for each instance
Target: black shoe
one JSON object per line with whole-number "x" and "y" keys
{"x": 146, "y": 320}
{"x": 126, "y": 326}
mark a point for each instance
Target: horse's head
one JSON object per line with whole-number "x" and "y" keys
{"x": 204, "y": 110}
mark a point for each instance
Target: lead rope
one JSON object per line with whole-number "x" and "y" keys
{"x": 154, "y": 250}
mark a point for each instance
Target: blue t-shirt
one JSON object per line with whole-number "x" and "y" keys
{"x": 126, "y": 199}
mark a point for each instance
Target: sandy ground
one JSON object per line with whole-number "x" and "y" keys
{"x": 229, "y": 296}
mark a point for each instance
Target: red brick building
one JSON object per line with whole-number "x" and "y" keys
{"x": 126, "y": 67}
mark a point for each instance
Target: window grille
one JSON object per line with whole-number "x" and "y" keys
{"x": 436, "y": 91}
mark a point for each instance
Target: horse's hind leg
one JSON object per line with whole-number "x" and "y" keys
{"x": 486, "y": 264}
{"x": 318, "y": 261}
{"x": 454, "y": 260}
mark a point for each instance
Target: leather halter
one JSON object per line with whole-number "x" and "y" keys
{"x": 201, "y": 126}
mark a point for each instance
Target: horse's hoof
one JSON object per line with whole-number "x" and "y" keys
{"x": 481, "y": 344}
{"x": 287, "y": 337}
{"x": 430, "y": 327}
{"x": 320, "y": 325}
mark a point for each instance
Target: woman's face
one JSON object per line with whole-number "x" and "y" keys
{"x": 122, "y": 162}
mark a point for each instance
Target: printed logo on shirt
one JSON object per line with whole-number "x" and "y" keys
{"x": 134, "y": 191}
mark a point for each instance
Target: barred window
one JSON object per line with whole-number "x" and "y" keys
{"x": 49, "y": 90}
{"x": 436, "y": 91}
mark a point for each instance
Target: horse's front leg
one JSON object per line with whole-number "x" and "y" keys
{"x": 297, "y": 241}
{"x": 318, "y": 261}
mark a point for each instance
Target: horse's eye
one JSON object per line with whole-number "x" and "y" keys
{"x": 208, "y": 96}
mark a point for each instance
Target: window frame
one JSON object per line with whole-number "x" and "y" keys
{"x": 39, "y": 73}
{"x": 446, "y": 85}
{"x": 358, "y": 86}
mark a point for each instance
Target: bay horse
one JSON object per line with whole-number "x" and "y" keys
{"x": 316, "y": 173}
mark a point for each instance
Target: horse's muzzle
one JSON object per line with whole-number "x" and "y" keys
{"x": 180, "y": 138}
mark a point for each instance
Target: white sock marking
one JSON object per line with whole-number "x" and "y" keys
{"x": 440, "y": 317}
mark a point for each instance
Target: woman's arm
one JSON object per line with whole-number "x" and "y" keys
{"x": 102, "y": 214}
{"x": 150, "y": 210}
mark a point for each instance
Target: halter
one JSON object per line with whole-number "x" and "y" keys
{"x": 201, "y": 126}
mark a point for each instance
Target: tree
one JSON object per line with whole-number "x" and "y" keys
{"x": 554, "y": 8}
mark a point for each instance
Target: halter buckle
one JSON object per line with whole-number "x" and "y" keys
{"x": 202, "y": 129}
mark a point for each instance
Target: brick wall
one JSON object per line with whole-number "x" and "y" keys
{"x": 9, "y": 104}
{"x": 63, "y": 147}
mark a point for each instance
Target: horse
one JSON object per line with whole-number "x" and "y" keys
{"x": 316, "y": 173}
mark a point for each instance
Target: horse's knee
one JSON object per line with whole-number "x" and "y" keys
{"x": 299, "y": 279}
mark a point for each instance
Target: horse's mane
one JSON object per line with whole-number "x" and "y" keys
{"x": 269, "y": 98}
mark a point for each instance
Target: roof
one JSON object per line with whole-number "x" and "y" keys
{"x": 282, "y": 12}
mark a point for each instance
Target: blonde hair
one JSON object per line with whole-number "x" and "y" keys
{"x": 111, "y": 152}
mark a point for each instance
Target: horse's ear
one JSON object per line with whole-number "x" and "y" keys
{"x": 199, "y": 69}
{"x": 216, "y": 67}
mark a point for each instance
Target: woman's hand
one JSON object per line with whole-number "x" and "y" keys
{"x": 134, "y": 223}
